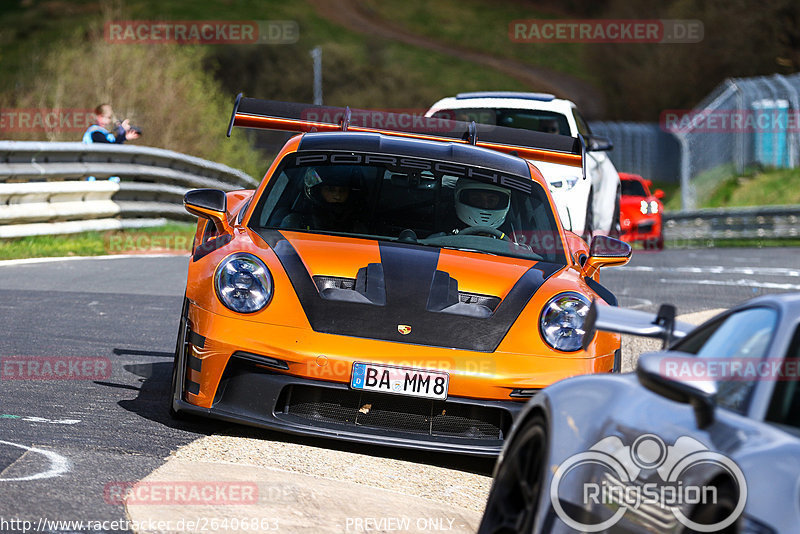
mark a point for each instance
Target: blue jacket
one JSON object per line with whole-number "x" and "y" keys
{"x": 98, "y": 134}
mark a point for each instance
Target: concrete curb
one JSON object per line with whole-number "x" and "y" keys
{"x": 283, "y": 502}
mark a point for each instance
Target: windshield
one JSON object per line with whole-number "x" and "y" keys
{"x": 633, "y": 188}
{"x": 527, "y": 119}
{"x": 411, "y": 200}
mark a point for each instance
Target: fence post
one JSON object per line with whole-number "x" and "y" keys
{"x": 316, "y": 54}
{"x": 687, "y": 196}
{"x": 791, "y": 131}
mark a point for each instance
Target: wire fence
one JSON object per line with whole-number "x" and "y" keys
{"x": 743, "y": 123}
{"x": 642, "y": 148}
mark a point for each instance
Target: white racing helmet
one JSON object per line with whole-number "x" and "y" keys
{"x": 481, "y": 204}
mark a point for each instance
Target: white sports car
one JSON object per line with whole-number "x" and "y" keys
{"x": 586, "y": 204}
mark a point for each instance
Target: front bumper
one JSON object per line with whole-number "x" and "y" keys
{"x": 255, "y": 396}
{"x": 297, "y": 381}
{"x": 644, "y": 229}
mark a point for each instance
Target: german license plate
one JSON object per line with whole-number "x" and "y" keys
{"x": 400, "y": 380}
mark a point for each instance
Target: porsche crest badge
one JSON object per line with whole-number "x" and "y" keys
{"x": 404, "y": 329}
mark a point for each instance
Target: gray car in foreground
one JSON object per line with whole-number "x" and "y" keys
{"x": 704, "y": 437}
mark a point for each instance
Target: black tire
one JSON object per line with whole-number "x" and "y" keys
{"x": 517, "y": 487}
{"x": 588, "y": 225}
{"x": 616, "y": 229}
{"x": 180, "y": 345}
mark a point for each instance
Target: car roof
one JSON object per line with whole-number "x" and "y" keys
{"x": 787, "y": 301}
{"x": 503, "y": 100}
{"x": 402, "y": 146}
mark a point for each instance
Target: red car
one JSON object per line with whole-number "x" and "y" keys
{"x": 640, "y": 211}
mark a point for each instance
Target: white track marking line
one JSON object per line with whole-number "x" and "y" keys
{"x": 58, "y": 464}
{"x": 734, "y": 283}
{"x": 717, "y": 269}
{"x": 28, "y": 261}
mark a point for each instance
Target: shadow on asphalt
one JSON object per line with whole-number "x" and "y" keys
{"x": 152, "y": 402}
{"x": 468, "y": 464}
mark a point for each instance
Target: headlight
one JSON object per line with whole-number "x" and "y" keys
{"x": 243, "y": 283}
{"x": 562, "y": 321}
{"x": 648, "y": 207}
{"x": 565, "y": 184}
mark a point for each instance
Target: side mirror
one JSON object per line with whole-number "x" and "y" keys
{"x": 209, "y": 204}
{"x": 659, "y": 194}
{"x": 606, "y": 252}
{"x": 598, "y": 143}
{"x": 660, "y": 372}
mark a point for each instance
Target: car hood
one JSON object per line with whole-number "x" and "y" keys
{"x": 406, "y": 292}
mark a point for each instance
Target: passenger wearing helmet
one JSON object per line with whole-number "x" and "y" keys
{"x": 480, "y": 204}
{"x": 333, "y": 198}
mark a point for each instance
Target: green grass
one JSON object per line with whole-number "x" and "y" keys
{"x": 721, "y": 187}
{"x": 764, "y": 188}
{"x": 173, "y": 236}
{"x": 481, "y": 25}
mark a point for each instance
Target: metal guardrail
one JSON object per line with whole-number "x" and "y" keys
{"x": 43, "y": 187}
{"x": 719, "y": 224}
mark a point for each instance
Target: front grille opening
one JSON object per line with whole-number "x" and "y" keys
{"x": 394, "y": 413}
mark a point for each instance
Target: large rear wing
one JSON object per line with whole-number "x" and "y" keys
{"x": 295, "y": 117}
{"x": 661, "y": 325}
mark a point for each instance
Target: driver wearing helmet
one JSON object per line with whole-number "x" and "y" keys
{"x": 482, "y": 205}
{"x": 335, "y": 206}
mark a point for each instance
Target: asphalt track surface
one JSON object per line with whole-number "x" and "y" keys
{"x": 111, "y": 425}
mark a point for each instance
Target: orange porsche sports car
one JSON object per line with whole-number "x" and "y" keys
{"x": 407, "y": 287}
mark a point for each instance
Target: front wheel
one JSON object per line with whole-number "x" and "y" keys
{"x": 517, "y": 487}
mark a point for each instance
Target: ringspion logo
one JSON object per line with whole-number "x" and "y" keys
{"x": 646, "y": 475}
